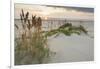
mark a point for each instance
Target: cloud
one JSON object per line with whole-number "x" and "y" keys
{"x": 55, "y": 12}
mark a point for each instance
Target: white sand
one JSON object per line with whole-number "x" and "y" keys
{"x": 71, "y": 49}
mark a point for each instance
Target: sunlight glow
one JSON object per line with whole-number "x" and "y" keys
{"x": 45, "y": 18}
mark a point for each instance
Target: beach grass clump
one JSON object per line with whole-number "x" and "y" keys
{"x": 67, "y": 29}
{"x": 32, "y": 47}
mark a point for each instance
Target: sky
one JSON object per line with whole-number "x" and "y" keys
{"x": 48, "y": 11}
